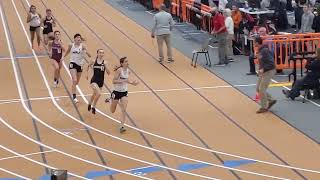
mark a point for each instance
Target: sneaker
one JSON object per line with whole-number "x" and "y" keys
{"x": 160, "y": 61}
{"x": 271, "y": 103}
{"x": 261, "y": 110}
{"x": 220, "y": 64}
{"x": 93, "y": 110}
{"x": 286, "y": 93}
{"x": 75, "y": 100}
{"x": 89, "y": 107}
{"x": 122, "y": 130}
{"x": 170, "y": 61}
{"x": 251, "y": 73}
{"x": 55, "y": 84}
{"x": 108, "y": 100}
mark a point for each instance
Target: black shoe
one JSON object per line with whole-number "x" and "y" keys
{"x": 271, "y": 103}
{"x": 122, "y": 130}
{"x": 93, "y": 110}
{"x": 287, "y": 94}
{"x": 107, "y": 100}
{"x": 89, "y": 107}
{"x": 251, "y": 73}
{"x": 220, "y": 64}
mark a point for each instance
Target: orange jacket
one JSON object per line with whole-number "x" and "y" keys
{"x": 237, "y": 18}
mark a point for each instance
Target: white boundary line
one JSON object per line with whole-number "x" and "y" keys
{"x": 14, "y": 174}
{"x": 67, "y": 71}
{"x": 51, "y": 95}
{"x": 198, "y": 147}
{"x": 132, "y": 92}
{"x": 82, "y": 142}
{"x": 35, "y": 117}
{"x": 210, "y": 150}
{"x": 21, "y": 95}
{"x": 29, "y": 154}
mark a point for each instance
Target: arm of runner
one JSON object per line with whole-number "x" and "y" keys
{"x": 88, "y": 68}
{"x": 84, "y": 48}
{"x": 133, "y": 82}
{"x": 116, "y": 79}
{"x": 42, "y": 22}
{"x": 29, "y": 17}
{"x": 107, "y": 70}
{"x": 54, "y": 24}
{"x": 50, "y": 49}
{"x": 68, "y": 50}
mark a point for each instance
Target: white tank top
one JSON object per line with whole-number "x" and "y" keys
{"x": 77, "y": 55}
{"x": 35, "y": 20}
{"x": 123, "y": 87}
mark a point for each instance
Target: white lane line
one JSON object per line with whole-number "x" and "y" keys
{"x": 132, "y": 92}
{"x": 190, "y": 145}
{"x": 20, "y": 92}
{"x": 35, "y": 117}
{"x": 14, "y": 174}
{"x": 29, "y": 154}
{"x": 86, "y": 101}
{"x": 80, "y": 141}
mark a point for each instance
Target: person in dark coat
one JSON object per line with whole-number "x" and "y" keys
{"x": 311, "y": 79}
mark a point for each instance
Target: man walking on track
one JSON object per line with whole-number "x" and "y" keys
{"x": 266, "y": 72}
{"x": 162, "y": 29}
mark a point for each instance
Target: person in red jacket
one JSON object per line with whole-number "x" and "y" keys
{"x": 220, "y": 30}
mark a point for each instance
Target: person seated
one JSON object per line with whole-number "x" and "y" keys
{"x": 310, "y": 80}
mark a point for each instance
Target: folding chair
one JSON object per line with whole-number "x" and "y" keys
{"x": 204, "y": 50}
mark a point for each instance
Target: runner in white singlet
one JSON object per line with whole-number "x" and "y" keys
{"x": 77, "y": 60}
{"x": 34, "y": 19}
{"x": 120, "y": 92}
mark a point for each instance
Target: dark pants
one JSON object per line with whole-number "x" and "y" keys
{"x": 251, "y": 64}
{"x": 301, "y": 84}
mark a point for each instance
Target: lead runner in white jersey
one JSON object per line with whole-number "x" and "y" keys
{"x": 120, "y": 94}
{"x": 77, "y": 60}
{"x": 34, "y": 18}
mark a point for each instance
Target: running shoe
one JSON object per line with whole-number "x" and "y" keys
{"x": 108, "y": 100}
{"x": 75, "y": 100}
{"x": 122, "y": 130}
{"x": 55, "y": 84}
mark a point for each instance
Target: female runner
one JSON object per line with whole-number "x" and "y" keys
{"x": 77, "y": 60}
{"x": 120, "y": 93}
{"x": 34, "y": 19}
{"x": 55, "y": 50}
{"x": 99, "y": 68}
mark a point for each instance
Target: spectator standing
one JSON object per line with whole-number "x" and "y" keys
{"x": 261, "y": 32}
{"x": 316, "y": 21}
{"x": 220, "y": 30}
{"x": 266, "y": 72}
{"x": 222, "y": 4}
{"x": 306, "y": 20}
{"x": 162, "y": 28}
{"x": 237, "y": 18}
{"x": 230, "y": 29}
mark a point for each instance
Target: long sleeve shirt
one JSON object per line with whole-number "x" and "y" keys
{"x": 163, "y": 23}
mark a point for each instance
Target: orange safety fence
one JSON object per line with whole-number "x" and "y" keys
{"x": 284, "y": 46}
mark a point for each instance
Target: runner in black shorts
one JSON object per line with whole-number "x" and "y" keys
{"x": 34, "y": 19}
{"x": 77, "y": 59}
{"x": 99, "y": 68}
{"x": 119, "y": 95}
{"x": 48, "y": 23}
{"x": 55, "y": 50}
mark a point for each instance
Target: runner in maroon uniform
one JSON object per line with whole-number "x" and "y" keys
{"x": 56, "y": 49}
